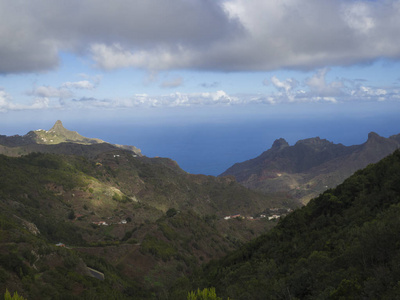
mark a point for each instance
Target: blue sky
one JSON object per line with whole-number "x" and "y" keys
{"x": 182, "y": 65}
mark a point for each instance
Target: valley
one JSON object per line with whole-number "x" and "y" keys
{"x": 142, "y": 221}
{"x": 84, "y": 218}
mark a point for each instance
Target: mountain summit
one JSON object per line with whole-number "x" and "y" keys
{"x": 58, "y": 127}
{"x": 57, "y": 124}
{"x": 279, "y": 144}
{"x": 57, "y": 140}
{"x": 310, "y": 166}
{"x": 59, "y": 134}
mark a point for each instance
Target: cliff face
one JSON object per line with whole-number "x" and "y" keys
{"x": 309, "y": 167}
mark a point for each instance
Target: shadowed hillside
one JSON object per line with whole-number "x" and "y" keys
{"x": 342, "y": 245}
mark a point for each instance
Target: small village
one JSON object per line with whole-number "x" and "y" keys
{"x": 271, "y": 214}
{"x": 104, "y": 223}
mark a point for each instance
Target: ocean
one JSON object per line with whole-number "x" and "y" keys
{"x": 212, "y": 148}
{"x": 207, "y": 141}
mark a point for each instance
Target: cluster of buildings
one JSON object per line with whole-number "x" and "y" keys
{"x": 271, "y": 214}
{"x": 104, "y": 223}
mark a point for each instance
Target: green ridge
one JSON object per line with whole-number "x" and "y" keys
{"x": 343, "y": 245}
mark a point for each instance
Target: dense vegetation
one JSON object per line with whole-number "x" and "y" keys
{"x": 343, "y": 245}
{"x": 173, "y": 223}
{"x": 33, "y": 218}
{"x": 161, "y": 225}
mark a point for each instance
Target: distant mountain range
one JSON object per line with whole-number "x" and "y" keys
{"x": 309, "y": 167}
{"x": 57, "y": 140}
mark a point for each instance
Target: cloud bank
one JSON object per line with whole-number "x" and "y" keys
{"x": 7, "y": 103}
{"x": 314, "y": 89}
{"x": 217, "y": 35}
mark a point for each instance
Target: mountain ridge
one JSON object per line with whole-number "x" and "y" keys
{"x": 49, "y": 141}
{"x": 309, "y": 166}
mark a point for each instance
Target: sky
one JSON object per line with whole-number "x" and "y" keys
{"x": 205, "y": 82}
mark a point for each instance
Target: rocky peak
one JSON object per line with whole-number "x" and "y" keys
{"x": 59, "y": 134}
{"x": 58, "y": 127}
{"x": 279, "y": 144}
{"x": 314, "y": 142}
{"x": 373, "y": 136}
{"x": 375, "y": 139}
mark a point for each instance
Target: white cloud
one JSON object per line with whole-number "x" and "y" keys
{"x": 168, "y": 100}
{"x": 179, "y": 99}
{"x": 116, "y": 56}
{"x": 375, "y": 94}
{"x": 318, "y": 85}
{"x": 7, "y": 104}
{"x": 62, "y": 93}
{"x": 172, "y": 83}
{"x": 4, "y": 101}
{"x": 295, "y": 93}
{"x": 83, "y": 84}
{"x": 40, "y": 103}
{"x": 318, "y": 89}
{"x": 51, "y": 92}
{"x": 358, "y": 17}
{"x": 287, "y": 86}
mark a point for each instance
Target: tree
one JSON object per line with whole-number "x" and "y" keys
{"x": 7, "y": 296}
{"x": 71, "y": 215}
{"x": 171, "y": 212}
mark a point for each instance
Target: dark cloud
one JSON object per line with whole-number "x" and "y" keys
{"x": 221, "y": 35}
{"x": 210, "y": 85}
{"x": 85, "y": 99}
{"x": 32, "y": 33}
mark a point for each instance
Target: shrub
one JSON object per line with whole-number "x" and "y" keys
{"x": 205, "y": 294}
{"x": 7, "y": 296}
{"x": 171, "y": 212}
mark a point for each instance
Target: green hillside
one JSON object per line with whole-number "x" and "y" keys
{"x": 97, "y": 221}
{"x": 343, "y": 245}
{"x": 142, "y": 222}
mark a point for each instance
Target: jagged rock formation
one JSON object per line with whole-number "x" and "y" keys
{"x": 58, "y": 134}
{"x": 309, "y": 167}
{"x": 57, "y": 140}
